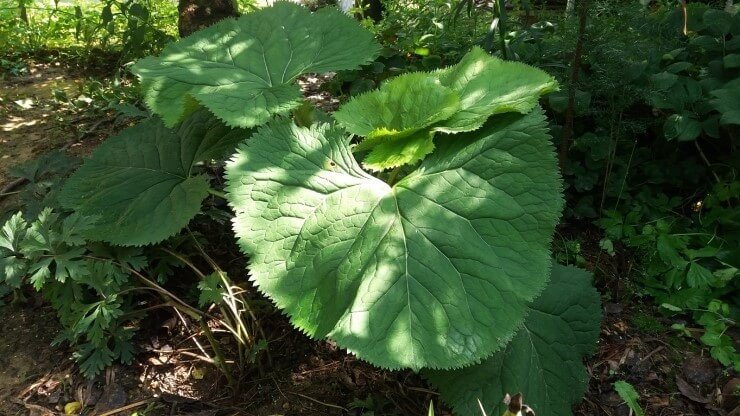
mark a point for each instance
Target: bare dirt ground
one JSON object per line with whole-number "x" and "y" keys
{"x": 673, "y": 376}
{"x": 28, "y": 124}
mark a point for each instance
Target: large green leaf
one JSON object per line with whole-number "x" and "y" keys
{"x": 435, "y": 271}
{"x": 243, "y": 70}
{"x": 543, "y": 361}
{"x": 140, "y": 183}
{"x": 399, "y": 150}
{"x": 682, "y": 127}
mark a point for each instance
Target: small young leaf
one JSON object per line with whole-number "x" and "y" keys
{"x": 12, "y": 234}
{"x": 13, "y": 266}
{"x": 629, "y": 395}
{"x": 40, "y": 273}
{"x": 399, "y": 120}
{"x": 400, "y": 107}
{"x": 399, "y": 152}
{"x": 395, "y": 119}
{"x": 12, "y": 271}
{"x": 211, "y": 290}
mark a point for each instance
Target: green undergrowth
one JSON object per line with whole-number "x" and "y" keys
{"x": 412, "y": 227}
{"x": 415, "y": 225}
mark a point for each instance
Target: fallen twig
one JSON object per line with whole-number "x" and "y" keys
{"x": 43, "y": 410}
{"x": 129, "y": 407}
{"x": 344, "y": 409}
{"x": 9, "y": 188}
{"x": 651, "y": 353}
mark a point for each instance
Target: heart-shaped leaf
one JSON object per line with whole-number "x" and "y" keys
{"x": 727, "y": 102}
{"x": 435, "y": 271}
{"x": 244, "y": 70}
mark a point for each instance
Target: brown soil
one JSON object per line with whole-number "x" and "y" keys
{"x": 28, "y": 123}
{"x": 316, "y": 378}
{"x": 33, "y": 121}
{"x": 26, "y": 355}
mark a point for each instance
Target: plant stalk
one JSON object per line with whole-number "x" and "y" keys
{"x": 574, "y": 72}
{"x": 217, "y": 193}
{"x": 219, "y": 355}
{"x": 501, "y": 15}
{"x": 393, "y": 175}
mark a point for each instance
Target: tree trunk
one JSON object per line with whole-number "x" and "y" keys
{"x": 570, "y": 7}
{"x": 345, "y": 5}
{"x": 373, "y": 9}
{"x": 22, "y": 12}
{"x": 197, "y": 14}
{"x": 729, "y": 6}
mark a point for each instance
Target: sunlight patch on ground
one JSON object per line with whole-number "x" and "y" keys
{"x": 15, "y": 123}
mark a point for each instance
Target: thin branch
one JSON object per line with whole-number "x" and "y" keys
{"x": 704, "y": 158}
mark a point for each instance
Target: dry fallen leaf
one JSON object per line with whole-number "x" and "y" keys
{"x": 687, "y": 390}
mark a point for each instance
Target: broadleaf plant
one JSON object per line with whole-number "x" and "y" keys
{"x": 435, "y": 266}
{"x": 437, "y": 269}
{"x": 243, "y": 70}
{"x": 142, "y": 184}
{"x": 424, "y": 273}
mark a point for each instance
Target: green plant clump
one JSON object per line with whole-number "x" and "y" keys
{"x": 441, "y": 264}
{"x": 83, "y": 29}
{"x": 82, "y": 282}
